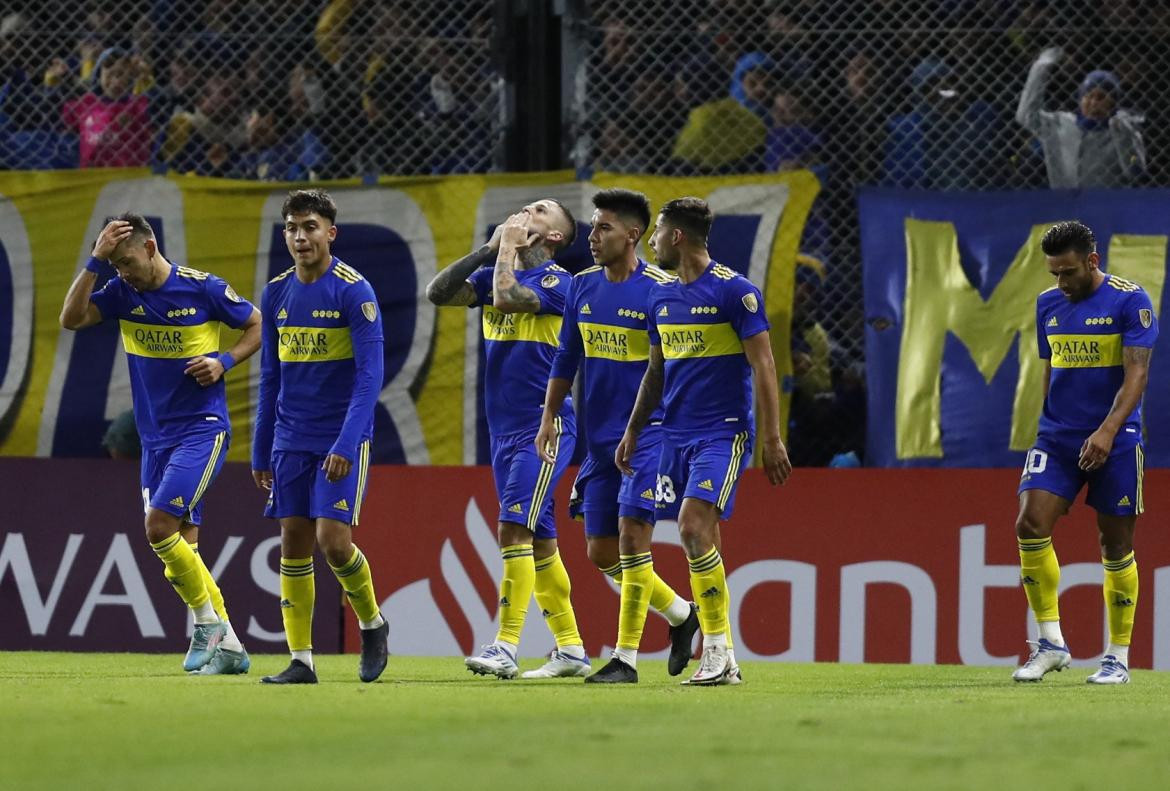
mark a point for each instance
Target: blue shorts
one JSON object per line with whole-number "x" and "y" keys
{"x": 175, "y": 479}
{"x": 602, "y": 495}
{"x": 524, "y": 483}
{"x": 706, "y": 468}
{"x": 300, "y": 488}
{"x": 1115, "y": 489}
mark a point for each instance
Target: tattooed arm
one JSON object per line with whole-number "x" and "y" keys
{"x": 450, "y": 286}
{"x": 508, "y": 295}
{"x": 1135, "y": 361}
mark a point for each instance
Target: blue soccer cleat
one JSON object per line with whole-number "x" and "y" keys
{"x": 204, "y": 641}
{"x": 1045, "y": 658}
{"x": 226, "y": 663}
{"x": 1111, "y": 672}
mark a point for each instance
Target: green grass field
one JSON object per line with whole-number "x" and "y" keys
{"x": 135, "y": 721}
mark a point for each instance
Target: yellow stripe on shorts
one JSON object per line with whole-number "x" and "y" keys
{"x": 542, "y": 480}
{"x": 737, "y": 447}
{"x": 209, "y": 470}
{"x": 363, "y": 474}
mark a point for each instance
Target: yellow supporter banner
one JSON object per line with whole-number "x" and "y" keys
{"x": 60, "y": 389}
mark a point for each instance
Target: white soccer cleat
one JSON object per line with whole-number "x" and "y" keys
{"x": 492, "y": 660}
{"x": 1111, "y": 672}
{"x": 1045, "y": 657}
{"x": 560, "y": 665}
{"x": 732, "y": 677}
{"x": 714, "y": 668}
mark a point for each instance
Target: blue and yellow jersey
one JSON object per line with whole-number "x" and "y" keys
{"x": 701, "y": 327}
{"x": 320, "y": 364}
{"x": 606, "y": 326}
{"x": 1083, "y": 341}
{"x": 519, "y": 348}
{"x": 162, "y": 330}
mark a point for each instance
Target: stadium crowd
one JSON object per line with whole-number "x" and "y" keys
{"x": 921, "y": 94}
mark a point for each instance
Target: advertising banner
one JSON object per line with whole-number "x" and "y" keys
{"x": 838, "y": 565}
{"x": 951, "y": 281}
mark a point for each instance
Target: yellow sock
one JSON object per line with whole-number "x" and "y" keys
{"x": 661, "y": 594}
{"x": 358, "y": 584}
{"x": 1040, "y": 576}
{"x": 212, "y": 588}
{"x": 614, "y": 572}
{"x": 515, "y": 591}
{"x": 637, "y": 584}
{"x": 182, "y": 569}
{"x": 297, "y": 595}
{"x": 1121, "y": 594}
{"x": 709, "y": 587}
{"x": 553, "y": 595}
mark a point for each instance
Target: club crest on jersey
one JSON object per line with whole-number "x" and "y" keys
{"x": 231, "y": 294}
{"x": 549, "y": 281}
{"x": 749, "y": 302}
{"x": 369, "y": 310}
{"x": 1146, "y": 317}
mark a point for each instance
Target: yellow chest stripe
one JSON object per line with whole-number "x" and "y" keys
{"x": 169, "y": 341}
{"x": 314, "y": 344}
{"x": 681, "y": 341}
{"x": 610, "y": 342}
{"x": 1085, "y": 351}
{"x": 500, "y": 326}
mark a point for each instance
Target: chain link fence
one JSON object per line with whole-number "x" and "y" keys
{"x": 904, "y": 93}
{"x": 254, "y": 89}
{"x": 931, "y": 94}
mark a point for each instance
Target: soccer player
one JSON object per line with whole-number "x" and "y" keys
{"x": 320, "y": 375}
{"x": 708, "y": 338}
{"x": 170, "y": 318}
{"x": 523, "y": 299}
{"x": 1095, "y": 332}
{"x": 605, "y": 323}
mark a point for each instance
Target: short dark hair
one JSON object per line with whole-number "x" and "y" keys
{"x": 633, "y": 207}
{"x": 1070, "y": 235}
{"x": 316, "y": 201}
{"x": 692, "y": 216}
{"x": 571, "y": 236}
{"x": 139, "y": 225}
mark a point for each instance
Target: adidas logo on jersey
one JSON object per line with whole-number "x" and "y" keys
{"x": 283, "y": 314}
{"x": 341, "y": 505}
{"x": 648, "y": 494}
{"x": 516, "y": 509}
{"x": 1052, "y": 322}
{"x": 1124, "y": 501}
{"x": 585, "y": 310}
{"x": 707, "y": 485}
{"x": 137, "y": 310}
{"x": 177, "y": 501}
{"x": 662, "y": 311}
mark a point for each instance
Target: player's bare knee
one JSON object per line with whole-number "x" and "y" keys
{"x": 160, "y": 525}
{"x": 543, "y": 548}
{"x": 603, "y": 554}
{"x": 696, "y": 538}
{"x": 511, "y": 534}
{"x": 1029, "y": 526}
{"x": 635, "y": 536}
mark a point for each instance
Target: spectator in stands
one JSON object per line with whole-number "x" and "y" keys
{"x": 208, "y": 141}
{"x": 279, "y": 148}
{"x": 949, "y": 140}
{"x": 29, "y": 139}
{"x": 727, "y": 136}
{"x": 1099, "y": 145}
{"x": 113, "y": 123}
{"x": 791, "y": 142}
{"x": 395, "y": 142}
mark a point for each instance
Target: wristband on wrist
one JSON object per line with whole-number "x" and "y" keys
{"x": 97, "y": 265}
{"x": 227, "y": 361}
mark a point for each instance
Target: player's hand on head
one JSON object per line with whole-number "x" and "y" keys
{"x": 263, "y": 479}
{"x": 335, "y": 467}
{"x": 206, "y": 370}
{"x": 111, "y": 236}
{"x": 776, "y": 462}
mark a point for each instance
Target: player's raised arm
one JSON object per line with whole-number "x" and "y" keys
{"x": 79, "y": 311}
{"x": 450, "y": 286}
{"x": 508, "y": 294}
{"x": 758, "y": 350}
{"x": 649, "y": 397}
